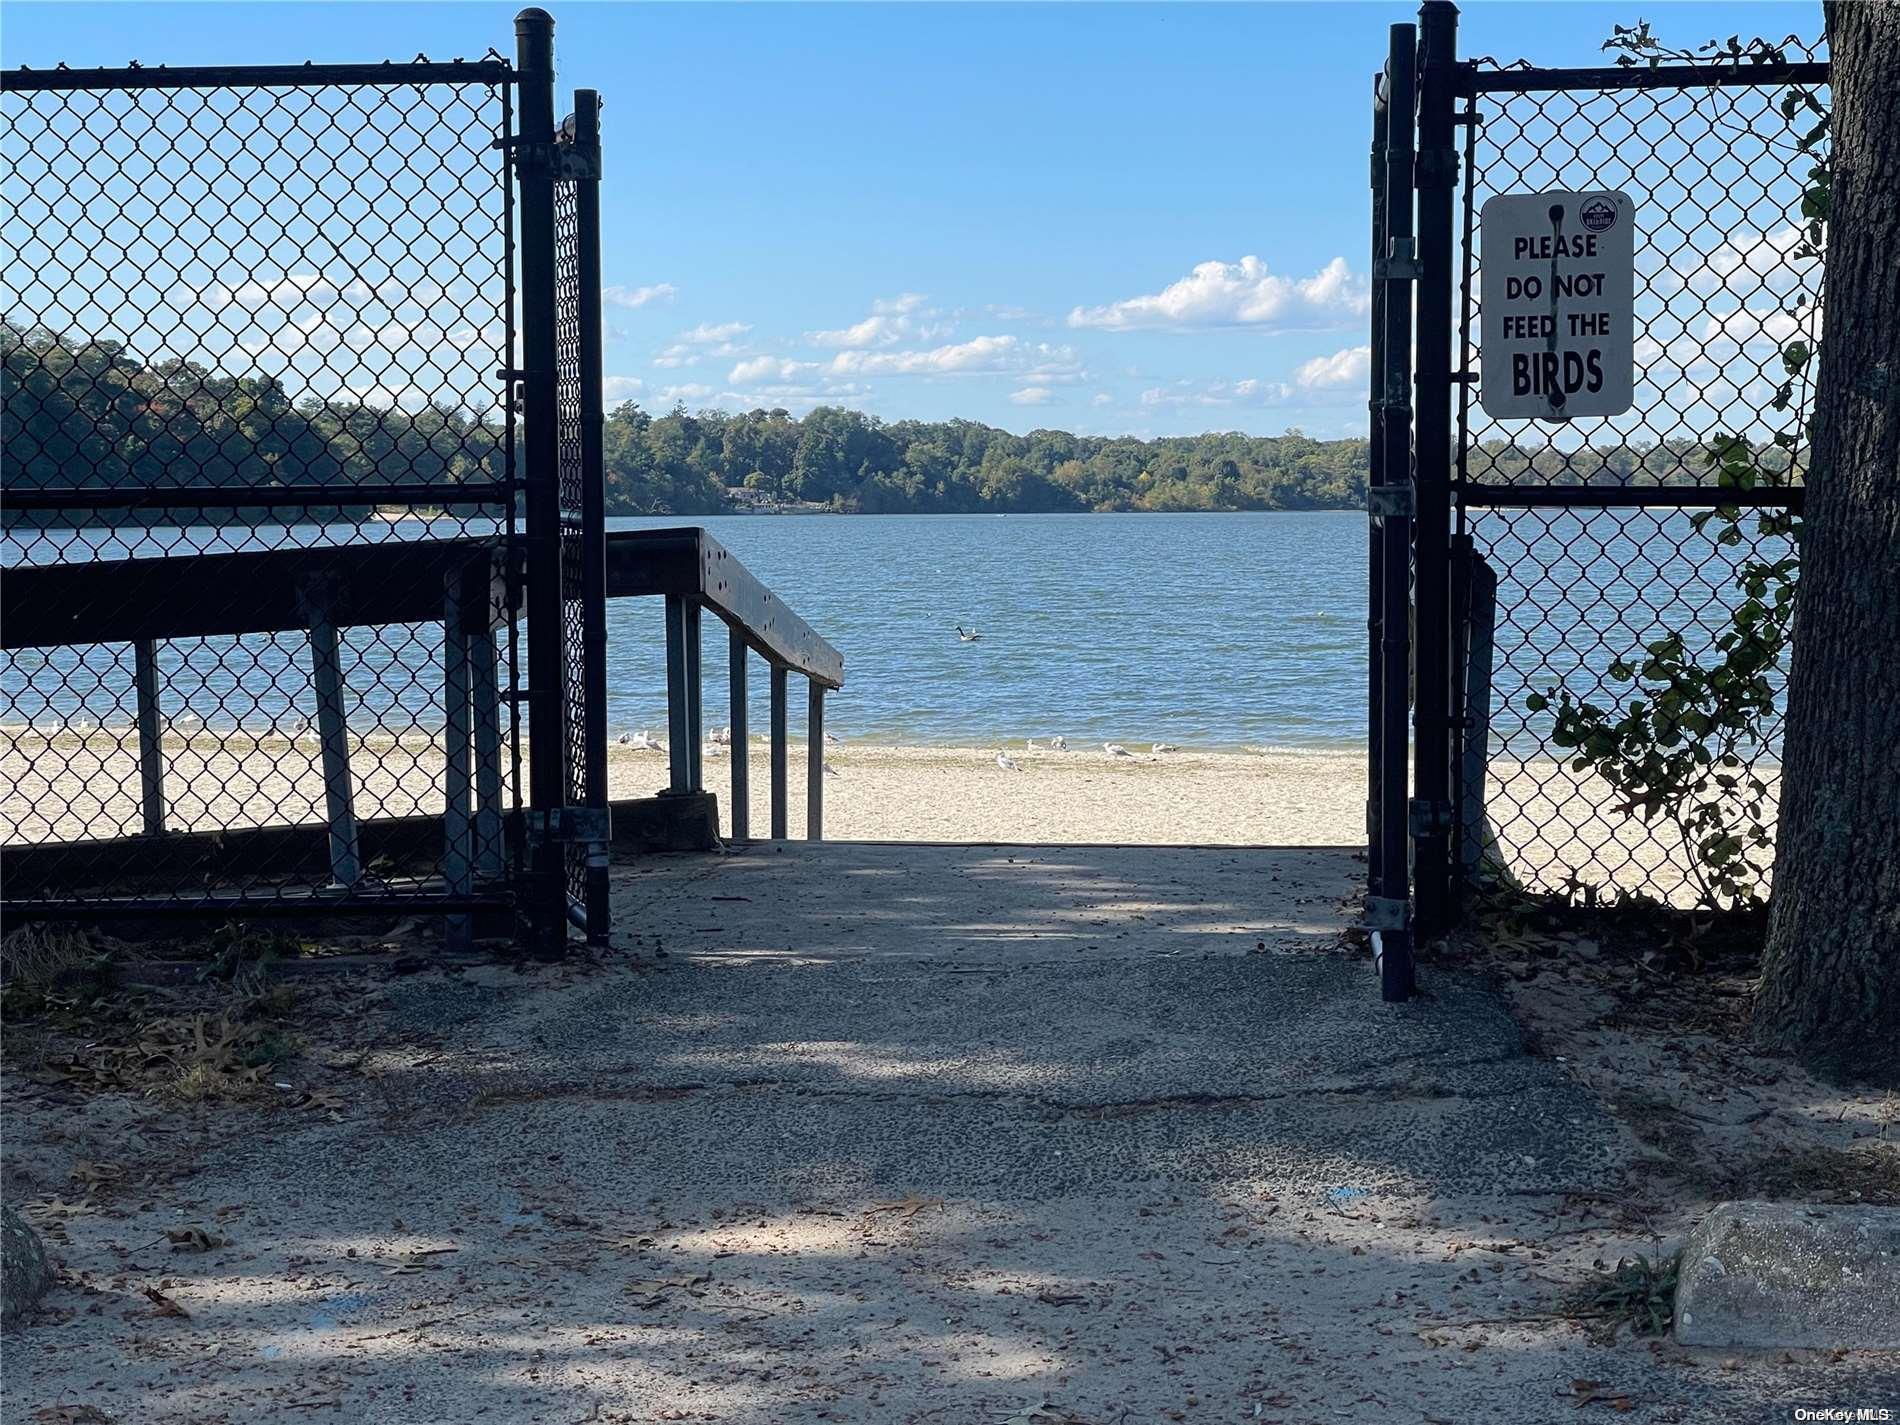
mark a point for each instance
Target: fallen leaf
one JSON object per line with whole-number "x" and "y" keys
{"x": 907, "y": 1208}
{"x": 166, "y": 1306}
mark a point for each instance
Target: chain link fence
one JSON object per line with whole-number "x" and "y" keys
{"x": 1609, "y": 536}
{"x": 256, "y": 448}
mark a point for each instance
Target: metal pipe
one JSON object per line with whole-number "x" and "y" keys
{"x": 1395, "y": 529}
{"x": 1375, "y": 478}
{"x": 741, "y": 809}
{"x": 1436, "y": 169}
{"x": 483, "y": 671}
{"x": 779, "y": 778}
{"x": 547, "y": 674}
{"x": 593, "y": 501}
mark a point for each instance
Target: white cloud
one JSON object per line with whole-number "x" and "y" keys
{"x": 1746, "y": 265}
{"x": 1350, "y": 367}
{"x": 615, "y": 389}
{"x": 1031, "y": 396}
{"x": 635, "y": 297}
{"x": 1244, "y": 293}
{"x": 1101, "y": 398}
{"x": 983, "y": 355}
{"x": 770, "y": 368}
{"x": 1250, "y": 392}
{"x": 705, "y": 342}
{"x": 691, "y": 391}
{"x": 892, "y": 319}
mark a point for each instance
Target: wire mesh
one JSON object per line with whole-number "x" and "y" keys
{"x": 1726, "y": 279}
{"x": 243, "y": 318}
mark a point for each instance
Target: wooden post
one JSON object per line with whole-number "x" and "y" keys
{"x": 678, "y": 735}
{"x": 741, "y": 768}
{"x": 814, "y": 760}
{"x": 779, "y": 778}
{"x": 333, "y": 735}
{"x": 151, "y": 746}
{"x": 489, "y": 851}
{"x": 695, "y": 700}
{"x": 456, "y": 868}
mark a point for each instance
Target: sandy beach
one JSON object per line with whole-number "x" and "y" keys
{"x": 1551, "y": 821}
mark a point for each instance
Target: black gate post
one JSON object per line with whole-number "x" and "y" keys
{"x": 1437, "y": 176}
{"x": 1375, "y": 477}
{"x": 593, "y": 502}
{"x": 546, "y": 892}
{"x": 1391, "y": 503}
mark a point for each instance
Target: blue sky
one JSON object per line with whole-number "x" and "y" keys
{"x": 1110, "y": 219}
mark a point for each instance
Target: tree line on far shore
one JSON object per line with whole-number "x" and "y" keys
{"x": 88, "y": 413}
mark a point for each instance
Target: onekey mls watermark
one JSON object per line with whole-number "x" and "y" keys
{"x": 1845, "y": 1414}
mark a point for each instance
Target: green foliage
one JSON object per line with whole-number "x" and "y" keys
{"x": 1640, "y": 1291}
{"x": 1680, "y": 748}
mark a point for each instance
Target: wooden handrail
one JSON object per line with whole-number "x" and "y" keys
{"x": 690, "y": 563}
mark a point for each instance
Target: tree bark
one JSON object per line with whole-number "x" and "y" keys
{"x": 1830, "y": 988}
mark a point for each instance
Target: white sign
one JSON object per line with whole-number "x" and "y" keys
{"x": 1558, "y": 294}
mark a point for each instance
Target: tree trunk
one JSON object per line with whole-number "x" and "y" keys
{"x": 1830, "y": 986}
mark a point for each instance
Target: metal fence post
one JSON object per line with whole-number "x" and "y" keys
{"x": 1390, "y": 909}
{"x": 547, "y": 791}
{"x": 593, "y": 540}
{"x": 1375, "y": 478}
{"x": 1436, "y": 169}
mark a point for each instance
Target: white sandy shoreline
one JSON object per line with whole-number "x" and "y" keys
{"x": 1552, "y": 821}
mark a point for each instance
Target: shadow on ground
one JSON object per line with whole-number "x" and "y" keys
{"x": 885, "y": 1133}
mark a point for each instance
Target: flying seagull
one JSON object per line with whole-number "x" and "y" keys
{"x": 970, "y": 637}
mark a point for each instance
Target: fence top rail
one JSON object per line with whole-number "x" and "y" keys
{"x": 492, "y": 70}
{"x": 691, "y": 563}
{"x": 1476, "y": 80}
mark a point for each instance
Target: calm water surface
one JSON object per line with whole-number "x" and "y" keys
{"x": 1209, "y": 630}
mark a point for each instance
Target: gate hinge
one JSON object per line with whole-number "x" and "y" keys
{"x": 1436, "y": 168}
{"x": 560, "y": 160}
{"x": 1388, "y": 913}
{"x": 1428, "y": 818}
{"x": 1391, "y": 502}
{"x": 590, "y": 825}
{"x": 1400, "y": 263}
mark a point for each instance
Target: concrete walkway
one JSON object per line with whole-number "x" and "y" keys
{"x": 898, "y": 1134}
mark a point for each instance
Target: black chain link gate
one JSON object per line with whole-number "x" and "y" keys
{"x": 1516, "y": 559}
{"x": 264, "y": 495}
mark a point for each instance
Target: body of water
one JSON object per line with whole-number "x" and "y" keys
{"x": 1203, "y": 630}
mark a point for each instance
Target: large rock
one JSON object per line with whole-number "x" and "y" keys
{"x": 24, "y": 1275}
{"x": 1778, "y": 1274}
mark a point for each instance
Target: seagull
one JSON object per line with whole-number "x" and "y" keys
{"x": 1061, "y": 744}
{"x": 831, "y": 739}
{"x": 642, "y": 741}
{"x": 721, "y": 737}
{"x": 1008, "y": 763}
{"x": 1115, "y": 749}
{"x": 971, "y": 637}
{"x": 830, "y": 771}
{"x": 1029, "y": 744}
{"x": 1164, "y": 747}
